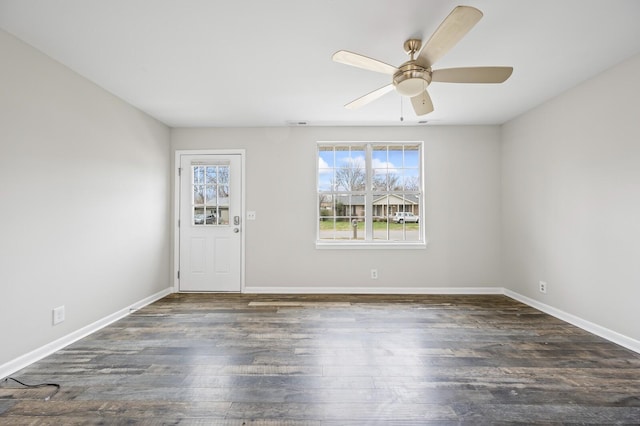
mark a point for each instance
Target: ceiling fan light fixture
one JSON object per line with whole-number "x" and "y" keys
{"x": 411, "y": 86}
{"x": 411, "y": 79}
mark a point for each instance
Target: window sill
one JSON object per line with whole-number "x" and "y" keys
{"x": 328, "y": 245}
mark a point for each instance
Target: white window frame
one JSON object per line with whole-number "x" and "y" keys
{"x": 369, "y": 242}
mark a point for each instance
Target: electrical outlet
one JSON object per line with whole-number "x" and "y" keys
{"x": 542, "y": 286}
{"x": 58, "y": 315}
{"x": 374, "y": 274}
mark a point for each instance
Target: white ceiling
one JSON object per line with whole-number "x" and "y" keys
{"x": 268, "y": 63}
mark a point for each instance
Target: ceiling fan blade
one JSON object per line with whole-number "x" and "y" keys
{"x": 472, "y": 75}
{"x": 422, "y": 103}
{"x": 449, "y": 33}
{"x": 360, "y": 61}
{"x": 369, "y": 97}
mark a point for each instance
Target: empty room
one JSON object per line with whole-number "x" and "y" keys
{"x": 404, "y": 212}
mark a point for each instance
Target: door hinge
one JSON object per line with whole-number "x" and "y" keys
{"x": 178, "y": 274}
{"x": 179, "y": 171}
{"x": 178, "y": 223}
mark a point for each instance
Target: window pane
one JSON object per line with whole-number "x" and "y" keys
{"x": 223, "y": 174}
{"x": 223, "y": 215}
{"x": 380, "y": 207}
{"x": 211, "y": 195}
{"x": 325, "y": 179}
{"x": 396, "y": 155}
{"x": 326, "y": 214}
{"x": 358, "y": 229}
{"x": 198, "y": 175}
{"x": 198, "y": 215}
{"x": 341, "y": 203}
{"x": 411, "y": 156}
{"x": 325, "y": 208}
{"x": 210, "y": 216}
{"x": 411, "y": 180}
{"x": 223, "y": 194}
{"x": 380, "y": 217}
{"x": 211, "y": 174}
{"x": 223, "y": 204}
{"x": 379, "y": 156}
{"x": 198, "y": 194}
{"x": 326, "y": 228}
{"x": 326, "y": 157}
{"x": 380, "y": 180}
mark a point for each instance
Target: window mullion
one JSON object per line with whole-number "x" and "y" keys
{"x": 368, "y": 207}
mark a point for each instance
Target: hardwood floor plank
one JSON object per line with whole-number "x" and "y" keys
{"x": 549, "y": 413}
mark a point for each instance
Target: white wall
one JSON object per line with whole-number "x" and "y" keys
{"x": 571, "y": 201}
{"x": 84, "y": 201}
{"x": 462, "y": 208}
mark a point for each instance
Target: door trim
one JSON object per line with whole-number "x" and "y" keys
{"x": 176, "y": 210}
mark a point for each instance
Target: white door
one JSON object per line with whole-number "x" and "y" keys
{"x": 210, "y": 222}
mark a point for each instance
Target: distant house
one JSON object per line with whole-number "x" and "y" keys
{"x": 383, "y": 206}
{"x": 387, "y": 205}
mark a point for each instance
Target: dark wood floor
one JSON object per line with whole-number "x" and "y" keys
{"x": 332, "y": 360}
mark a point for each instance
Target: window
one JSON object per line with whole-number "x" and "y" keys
{"x": 370, "y": 193}
{"x": 210, "y": 201}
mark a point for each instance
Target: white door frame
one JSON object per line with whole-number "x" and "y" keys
{"x": 176, "y": 209}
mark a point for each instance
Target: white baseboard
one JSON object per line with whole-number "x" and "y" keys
{"x": 29, "y": 358}
{"x": 373, "y": 290}
{"x": 605, "y": 333}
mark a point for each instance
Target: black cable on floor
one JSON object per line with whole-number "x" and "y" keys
{"x": 41, "y": 385}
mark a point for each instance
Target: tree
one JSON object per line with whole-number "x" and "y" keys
{"x": 412, "y": 184}
{"x": 350, "y": 177}
{"x": 386, "y": 182}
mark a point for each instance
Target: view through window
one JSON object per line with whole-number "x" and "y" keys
{"x": 210, "y": 201}
{"x": 370, "y": 192}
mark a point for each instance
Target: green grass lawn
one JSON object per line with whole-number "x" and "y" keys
{"x": 326, "y": 225}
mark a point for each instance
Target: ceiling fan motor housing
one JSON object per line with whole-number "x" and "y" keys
{"x": 411, "y": 79}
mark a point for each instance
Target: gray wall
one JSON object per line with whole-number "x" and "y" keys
{"x": 462, "y": 212}
{"x": 571, "y": 201}
{"x": 84, "y": 189}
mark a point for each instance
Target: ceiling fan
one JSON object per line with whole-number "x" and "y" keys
{"x": 412, "y": 78}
